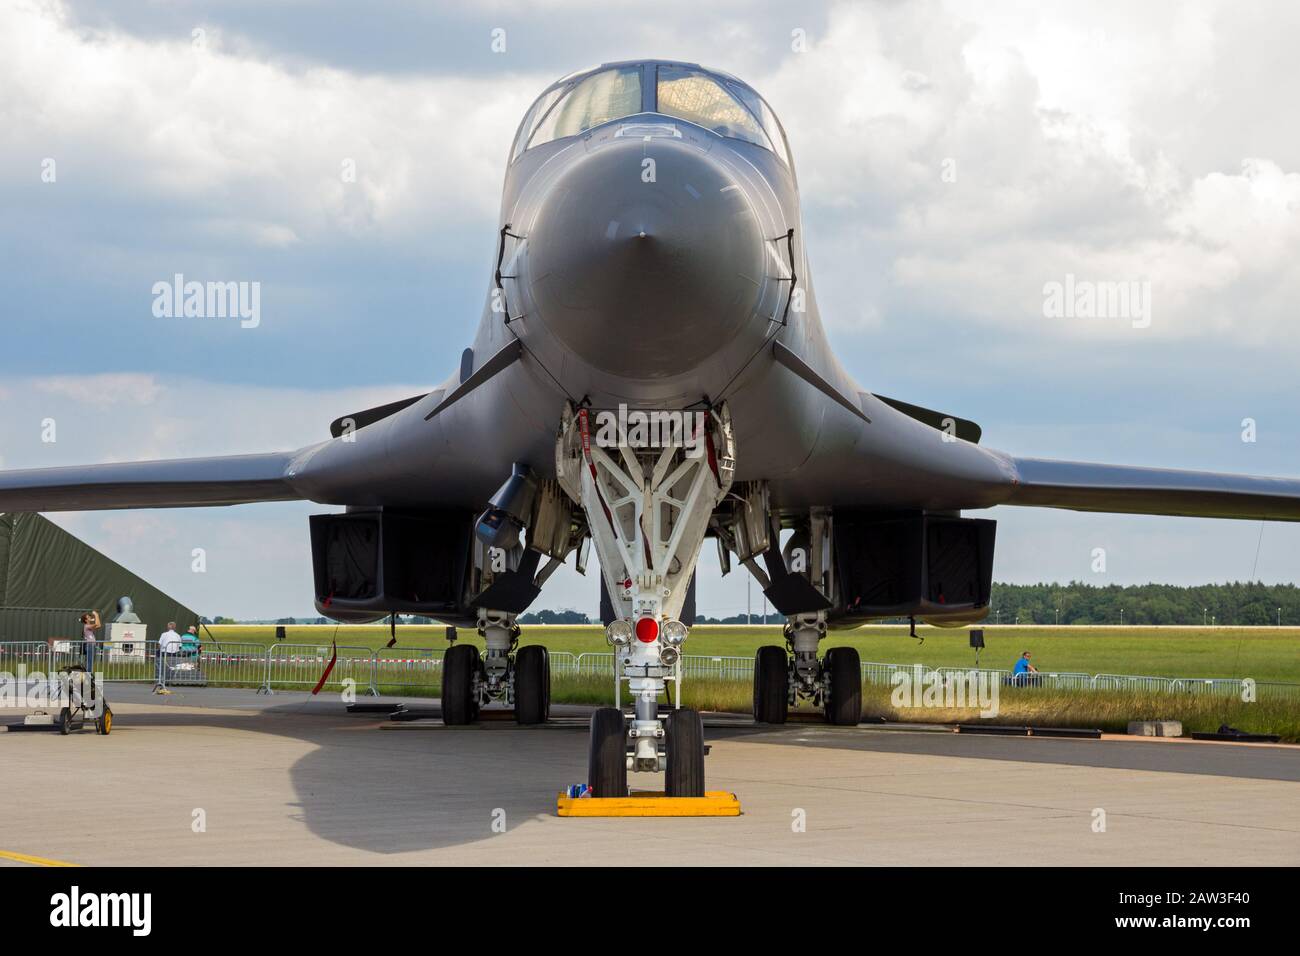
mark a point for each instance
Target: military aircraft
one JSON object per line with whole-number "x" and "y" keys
{"x": 650, "y": 370}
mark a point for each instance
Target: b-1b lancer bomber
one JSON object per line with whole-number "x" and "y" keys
{"x": 650, "y": 370}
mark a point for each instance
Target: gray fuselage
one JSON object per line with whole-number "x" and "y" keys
{"x": 647, "y": 263}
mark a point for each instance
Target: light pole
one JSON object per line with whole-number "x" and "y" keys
{"x": 749, "y": 588}
{"x": 1058, "y": 617}
{"x": 1121, "y": 617}
{"x": 1205, "y": 617}
{"x": 1279, "y": 617}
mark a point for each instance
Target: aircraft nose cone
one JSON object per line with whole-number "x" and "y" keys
{"x": 645, "y": 269}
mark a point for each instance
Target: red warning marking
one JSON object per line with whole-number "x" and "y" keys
{"x": 328, "y": 668}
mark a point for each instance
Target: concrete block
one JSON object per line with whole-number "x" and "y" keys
{"x": 1155, "y": 728}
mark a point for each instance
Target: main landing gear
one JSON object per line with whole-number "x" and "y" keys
{"x": 782, "y": 678}
{"x": 518, "y": 676}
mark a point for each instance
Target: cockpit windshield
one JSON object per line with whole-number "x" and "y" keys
{"x": 601, "y": 97}
{"x": 713, "y": 101}
{"x": 696, "y": 96}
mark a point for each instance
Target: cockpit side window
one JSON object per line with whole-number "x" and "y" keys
{"x": 760, "y": 109}
{"x": 535, "y": 115}
{"x": 703, "y": 99}
{"x": 601, "y": 97}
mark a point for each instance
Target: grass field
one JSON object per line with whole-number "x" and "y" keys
{"x": 1266, "y": 654}
{"x": 1263, "y": 653}
{"x": 1102, "y": 710}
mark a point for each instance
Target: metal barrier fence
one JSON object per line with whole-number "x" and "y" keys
{"x": 594, "y": 664}
{"x": 118, "y": 661}
{"x": 407, "y": 669}
{"x": 303, "y": 665}
{"x": 21, "y": 658}
{"x": 220, "y": 664}
{"x": 1125, "y": 682}
{"x": 718, "y": 668}
{"x": 418, "y": 671}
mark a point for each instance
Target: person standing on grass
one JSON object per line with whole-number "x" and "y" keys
{"x": 90, "y": 623}
{"x": 169, "y": 642}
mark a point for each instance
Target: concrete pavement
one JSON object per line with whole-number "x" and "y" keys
{"x": 294, "y": 780}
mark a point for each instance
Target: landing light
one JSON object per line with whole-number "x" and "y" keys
{"x": 647, "y": 630}
{"x": 674, "y": 632}
{"x": 620, "y": 632}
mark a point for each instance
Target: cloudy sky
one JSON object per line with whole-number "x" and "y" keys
{"x": 954, "y": 158}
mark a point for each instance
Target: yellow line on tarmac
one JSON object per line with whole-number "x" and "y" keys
{"x": 33, "y": 860}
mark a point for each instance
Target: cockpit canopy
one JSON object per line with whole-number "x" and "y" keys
{"x": 714, "y": 101}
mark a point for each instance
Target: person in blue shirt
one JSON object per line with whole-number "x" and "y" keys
{"x": 1023, "y": 668}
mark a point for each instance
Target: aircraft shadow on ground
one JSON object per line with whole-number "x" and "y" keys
{"x": 414, "y": 787}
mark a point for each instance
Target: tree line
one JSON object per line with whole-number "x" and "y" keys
{"x": 1241, "y": 604}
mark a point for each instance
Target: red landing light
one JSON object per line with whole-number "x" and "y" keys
{"x": 647, "y": 629}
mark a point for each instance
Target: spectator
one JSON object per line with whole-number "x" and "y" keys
{"x": 90, "y": 623}
{"x": 190, "y": 641}
{"x": 1023, "y": 669}
{"x": 169, "y": 643}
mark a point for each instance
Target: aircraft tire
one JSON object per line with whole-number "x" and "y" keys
{"x": 771, "y": 685}
{"x": 685, "y": 746}
{"x": 607, "y": 756}
{"x": 532, "y": 685}
{"x": 459, "y": 666}
{"x": 844, "y": 702}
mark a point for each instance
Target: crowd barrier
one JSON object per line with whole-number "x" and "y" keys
{"x": 418, "y": 671}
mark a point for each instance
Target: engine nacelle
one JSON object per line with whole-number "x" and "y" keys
{"x": 933, "y": 567}
{"x": 371, "y": 563}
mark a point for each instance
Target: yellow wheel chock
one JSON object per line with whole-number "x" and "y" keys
{"x": 714, "y": 803}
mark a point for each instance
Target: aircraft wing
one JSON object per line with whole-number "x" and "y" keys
{"x": 180, "y": 483}
{"x": 1125, "y": 489}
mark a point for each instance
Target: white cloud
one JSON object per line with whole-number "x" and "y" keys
{"x": 1253, "y": 215}
{"x": 257, "y": 147}
{"x": 101, "y": 388}
{"x": 1066, "y": 161}
{"x": 119, "y": 417}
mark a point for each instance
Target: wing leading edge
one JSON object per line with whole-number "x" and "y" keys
{"x": 1040, "y": 483}
{"x": 180, "y": 483}
{"x": 1126, "y": 489}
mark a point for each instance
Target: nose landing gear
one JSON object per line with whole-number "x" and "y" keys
{"x": 647, "y": 509}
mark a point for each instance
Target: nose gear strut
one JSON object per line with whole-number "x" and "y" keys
{"x": 648, "y": 497}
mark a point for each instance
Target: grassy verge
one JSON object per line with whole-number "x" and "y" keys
{"x": 1105, "y": 710}
{"x": 1109, "y": 711}
{"x": 1264, "y": 653}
